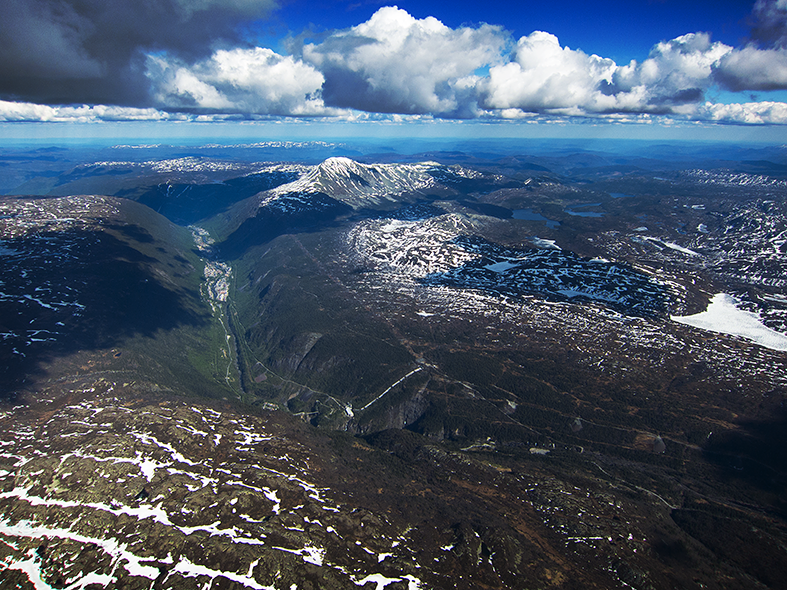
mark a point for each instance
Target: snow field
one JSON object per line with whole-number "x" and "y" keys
{"x": 53, "y": 502}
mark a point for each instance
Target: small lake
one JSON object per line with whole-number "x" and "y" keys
{"x": 529, "y": 215}
{"x": 573, "y": 210}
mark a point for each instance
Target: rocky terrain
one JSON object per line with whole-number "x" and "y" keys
{"x": 119, "y": 484}
{"x": 393, "y": 375}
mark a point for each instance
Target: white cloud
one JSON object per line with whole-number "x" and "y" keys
{"x": 254, "y": 81}
{"x": 543, "y": 76}
{"x": 676, "y": 71}
{"x": 86, "y": 51}
{"x": 750, "y": 113}
{"x": 25, "y": 111}
{"x": 751, "y": 68}
{"x": 396, "y": 63}
{"x": 175, "y": 85}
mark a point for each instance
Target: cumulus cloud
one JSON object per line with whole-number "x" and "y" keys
{"x": 73, "y": 51}
{"x": 254, "y": 81}
{"x": 751, "y": 113}
{"x": 762, "y": 64}
{"x": 751, "y": 68}
{"x": 676, "y": 72}
{"x": 545, "y": 77}
{"x": 395, "y": 63}
{"x": 27, "y": 112}
{"x": 184, "y": 56}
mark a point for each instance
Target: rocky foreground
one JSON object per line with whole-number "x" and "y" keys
{"x": 106, "y": 483}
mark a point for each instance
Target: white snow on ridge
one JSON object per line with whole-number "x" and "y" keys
{"x": 157, "y": 513}
{"x": 417, "y": 249}
{"x": 185, "y": 164}
{"x": 570, "y": 293}
{"x": 271, "y": 495}
{"x": 672, "y": 246}
{"x": 501, "y": 266}
{"x": 153, "y": 441}
{"x": 31, "y": 568}
{"x": 724, "y": 316}
{"x": 188, "y": 569}
{"x": 543, "y": 243}
{"x": 309, "y": 554}
{"x": 382, "y": 581}
{"x": 356, "y": 184}
{"x": 132, "y": 563}
{"x": 679, "y": 248}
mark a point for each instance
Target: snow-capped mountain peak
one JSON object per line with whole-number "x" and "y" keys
{"x": 359, "y": 185}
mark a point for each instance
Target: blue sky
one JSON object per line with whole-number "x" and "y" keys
{"x": 619, "y": 29}
{"x": 453, "y": 67}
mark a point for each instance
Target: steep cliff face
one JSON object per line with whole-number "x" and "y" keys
{"x": 98, "y": 274}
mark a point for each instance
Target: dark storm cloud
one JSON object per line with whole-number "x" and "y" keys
{"x": 762, "y": 64}
{"x": 91, "y": 51}
{"x": 769, "y": 26}
{"x": 753, "y": 69}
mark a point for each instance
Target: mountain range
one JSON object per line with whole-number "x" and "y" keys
{"x": 455, "y": 370}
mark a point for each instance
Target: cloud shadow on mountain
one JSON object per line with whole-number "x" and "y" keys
{"x": 78, "y": 290}
{"x": 288, "y": 214}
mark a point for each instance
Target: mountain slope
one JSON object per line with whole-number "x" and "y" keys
{"x": 362, "y": 185}
{"x": 335, "y": 189}
{"x": 91, "y": 279}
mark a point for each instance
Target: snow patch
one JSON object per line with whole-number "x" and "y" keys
{"x": 192, "y": 570}
{"x": 110, "y": 546}
{"x": 542, "y": 243}
{"x": 724, "y": 316}
{"x": 681, "y": 249}
{"x": 314, "y": 555}
{"x": 501, "y": 266}
{"x": 382, "y": 581}
{"x": 271, "y": 495}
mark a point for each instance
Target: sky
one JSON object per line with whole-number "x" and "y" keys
{"x": 470, "y": 66}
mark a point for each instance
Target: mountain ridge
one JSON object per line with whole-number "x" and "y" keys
{"x": 365, "y": 185}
